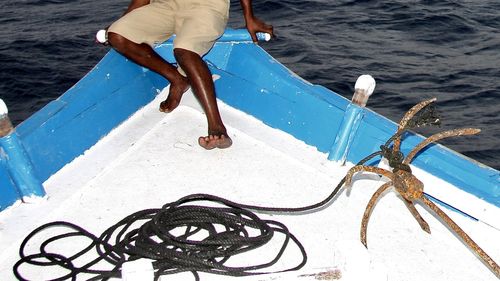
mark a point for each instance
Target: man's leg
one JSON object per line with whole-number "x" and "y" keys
{"x": 144, "y": 55}
{"x": 200, "y": 78}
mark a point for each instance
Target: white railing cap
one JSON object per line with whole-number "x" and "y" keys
{"x": 3, "y": 108}
{"x": 366, "y": 83}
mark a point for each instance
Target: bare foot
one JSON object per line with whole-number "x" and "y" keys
{"x": 174, "y": 96}
{"x": 215, "y": 141}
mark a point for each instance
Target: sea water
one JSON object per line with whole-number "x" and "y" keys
{"x": 415, "y": 50}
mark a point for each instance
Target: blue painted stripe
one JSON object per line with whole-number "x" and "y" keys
{"x": 442, "y": 203}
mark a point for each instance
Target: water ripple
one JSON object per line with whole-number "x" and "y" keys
{"x": 415, "y": 50}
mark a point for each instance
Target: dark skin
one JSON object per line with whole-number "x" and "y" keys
{"x": 197, "y": 72}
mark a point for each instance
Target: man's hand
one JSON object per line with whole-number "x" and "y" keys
{"x": 253, "y": 23}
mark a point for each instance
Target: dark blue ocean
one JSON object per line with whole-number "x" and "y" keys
{"x": 449, "y": 49}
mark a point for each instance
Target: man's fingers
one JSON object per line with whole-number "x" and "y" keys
{"x": 271, "y": 31}
{"x": 254, "y": 36}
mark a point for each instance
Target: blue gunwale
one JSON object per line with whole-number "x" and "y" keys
{"x": 251, "y": 81}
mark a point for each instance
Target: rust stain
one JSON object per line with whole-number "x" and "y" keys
{"x": 334, "y": 274}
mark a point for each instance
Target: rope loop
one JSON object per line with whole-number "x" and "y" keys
{"x": 179, "y": 237}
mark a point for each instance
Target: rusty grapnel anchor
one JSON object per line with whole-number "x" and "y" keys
{"x": 405, "y": 183}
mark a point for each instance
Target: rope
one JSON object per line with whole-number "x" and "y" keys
{"x": 227, "y": 229}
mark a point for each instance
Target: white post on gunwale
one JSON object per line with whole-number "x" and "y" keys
{"x": 5, "y": 124}
{"x": 364, "y": 87}
{"x": 16, "y": 159}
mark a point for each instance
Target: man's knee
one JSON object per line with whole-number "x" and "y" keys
{"x": 186, "y": 58}
{"x": 115, "y": 39}
{"x": 181, "y": 53}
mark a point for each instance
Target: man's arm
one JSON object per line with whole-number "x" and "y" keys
{"x": 134, "y": 4}
{"x": 254, "y": 24}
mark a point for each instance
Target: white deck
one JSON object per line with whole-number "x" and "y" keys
{"x": 154, "y": 158}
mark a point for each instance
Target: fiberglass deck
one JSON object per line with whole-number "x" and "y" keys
{"x": 153, "y": 158}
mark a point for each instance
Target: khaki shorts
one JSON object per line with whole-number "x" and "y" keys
{"x": 196, "y": 23}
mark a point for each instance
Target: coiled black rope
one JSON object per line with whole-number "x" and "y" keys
{"x": 226, "y": 231}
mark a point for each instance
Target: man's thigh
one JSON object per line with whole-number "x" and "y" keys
{"x": 198, "y": 29}
{"x": 150, "y": 24}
